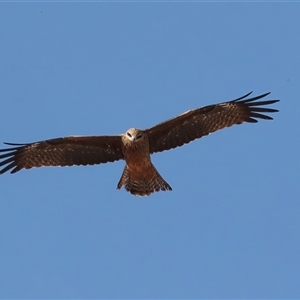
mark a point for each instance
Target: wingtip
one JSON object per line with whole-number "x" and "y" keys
{"x": 13, "y": 144}
{"x": 265, "y": 94}
{"x": 245, "y": 96}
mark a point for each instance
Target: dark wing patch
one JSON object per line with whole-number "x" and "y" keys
{"x": 67, "y": 151}
{"x": 199, "y": 122}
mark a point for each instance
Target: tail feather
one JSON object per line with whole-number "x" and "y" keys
{"x": 142, "y": 186}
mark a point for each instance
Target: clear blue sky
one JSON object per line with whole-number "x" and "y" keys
{"x": 231, "y": 225}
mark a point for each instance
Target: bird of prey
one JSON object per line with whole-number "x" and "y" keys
{"x": 135, "y": 146}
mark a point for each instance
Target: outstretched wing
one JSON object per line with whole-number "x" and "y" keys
{"x": 199, "y": 122}
{"x": 67, "y": 151}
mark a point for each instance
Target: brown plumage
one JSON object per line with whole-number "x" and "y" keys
{"x": 139, "y": 176}
{"x": 135, "y": 146}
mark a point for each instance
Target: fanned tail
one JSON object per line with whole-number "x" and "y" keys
{"x": 143, "y": 184}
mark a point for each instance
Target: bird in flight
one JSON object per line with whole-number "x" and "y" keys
{"x": 135, "y": 146}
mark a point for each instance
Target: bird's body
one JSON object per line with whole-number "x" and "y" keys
{"x": 139, "y": 176}
{"x": 135, "y": 146}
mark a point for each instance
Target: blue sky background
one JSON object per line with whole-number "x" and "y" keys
{"x": 230, "y": 227}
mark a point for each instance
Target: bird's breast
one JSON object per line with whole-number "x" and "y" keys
{"x": 137, "y": 155}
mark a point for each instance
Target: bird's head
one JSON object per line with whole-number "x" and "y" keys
{"x": 134, "y": 134}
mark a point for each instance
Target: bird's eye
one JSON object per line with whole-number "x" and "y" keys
{"x": 138, "y": 136}
{"x": 128, "y": 134}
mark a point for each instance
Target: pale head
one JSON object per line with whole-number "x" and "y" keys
{"x": 134, "y": 134}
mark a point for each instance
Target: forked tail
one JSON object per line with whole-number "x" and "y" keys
{"x": 143, "y": 184}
